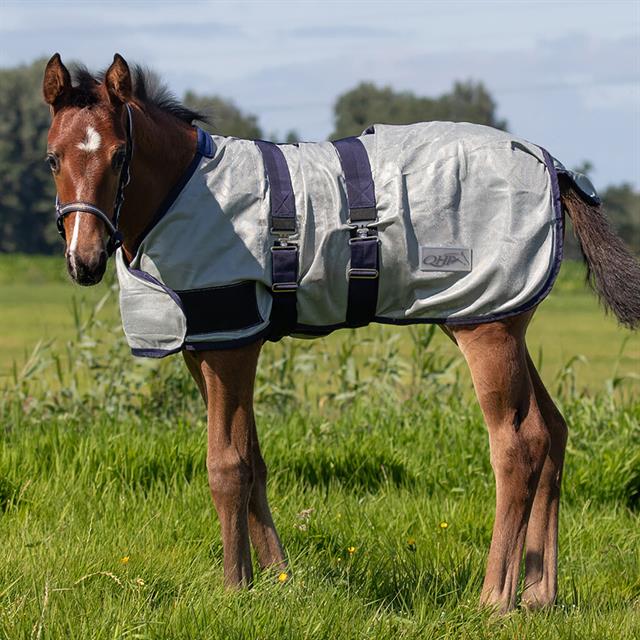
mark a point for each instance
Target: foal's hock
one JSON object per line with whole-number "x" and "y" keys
{"x": 225, "y": 243}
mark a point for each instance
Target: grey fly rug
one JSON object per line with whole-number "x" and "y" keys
{"x": 435, "y": 222}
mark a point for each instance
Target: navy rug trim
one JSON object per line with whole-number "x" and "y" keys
{"x": 225, "y": 345}
{"x": 154, "y": 353}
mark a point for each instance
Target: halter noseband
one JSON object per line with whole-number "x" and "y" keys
{"x": 115, "y": 237}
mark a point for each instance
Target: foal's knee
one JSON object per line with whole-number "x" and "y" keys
{"x": 229, "y": 476}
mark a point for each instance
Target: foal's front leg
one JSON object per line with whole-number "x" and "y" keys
{"x": 262, "y": 530}
{"x": 228, "y": 379}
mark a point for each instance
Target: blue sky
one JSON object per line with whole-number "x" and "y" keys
{"x": 564, "y": 74}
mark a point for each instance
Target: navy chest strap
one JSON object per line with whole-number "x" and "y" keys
{"x": 284, "y": 253}
{"x": 364, "y": 245}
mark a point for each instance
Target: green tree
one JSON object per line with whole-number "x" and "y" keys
{"x": 367, "y": 103}
{"x": 225, "y": 117}
{"x": 26, "y": 189}
{"x": 622, "y": 205}
{"x": 27, "y": 192}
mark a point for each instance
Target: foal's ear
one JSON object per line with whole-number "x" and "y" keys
{"x": 56, "y": 84}
{"x": 118, "y": 80}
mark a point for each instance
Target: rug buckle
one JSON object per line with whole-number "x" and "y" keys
{"x": 363, "y": 274}
{"x": 283, "y": 238}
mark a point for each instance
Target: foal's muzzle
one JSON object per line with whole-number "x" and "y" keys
{"x": 87, "y": 271}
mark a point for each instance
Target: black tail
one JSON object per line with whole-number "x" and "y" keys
{"x": 612, "y": 271}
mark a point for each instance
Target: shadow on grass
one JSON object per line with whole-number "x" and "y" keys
{"x": 632, "y": 491}
{"x": 9, "y": 494}
{"x": 143, "y": 473}
{"x": 397, "y": 582}
{"x": 368, "y": 472}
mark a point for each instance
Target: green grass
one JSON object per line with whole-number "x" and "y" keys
{"x": 102, "y": 457}
{"x": 37, "y": 304}
{"x": 79, "y": 495}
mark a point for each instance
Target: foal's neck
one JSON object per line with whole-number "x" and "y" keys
{"x": 163, "y": 148}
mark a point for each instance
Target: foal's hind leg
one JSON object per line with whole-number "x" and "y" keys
{"x": 518, "y": 441}
{"x": 541, "y": 555}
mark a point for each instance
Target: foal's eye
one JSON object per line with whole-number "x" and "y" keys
{"x": 118, "y": 159}
{"x": 53, "y": 162}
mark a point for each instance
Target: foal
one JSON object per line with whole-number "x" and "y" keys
{"x": 105, "y": 131}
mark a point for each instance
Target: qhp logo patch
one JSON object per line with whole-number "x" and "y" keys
{"x": 445, "y": 259}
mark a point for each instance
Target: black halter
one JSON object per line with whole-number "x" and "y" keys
{"x": 115, "y": 237}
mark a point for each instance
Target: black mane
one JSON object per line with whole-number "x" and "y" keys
{"x": 147, "y": 88}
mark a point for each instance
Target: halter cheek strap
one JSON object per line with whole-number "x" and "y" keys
{"x": 115, "y": 236}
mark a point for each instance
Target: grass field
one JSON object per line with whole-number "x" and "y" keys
{"x": 380, "y": 483}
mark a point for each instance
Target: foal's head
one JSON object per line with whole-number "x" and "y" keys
{"x": 86, "y": 150}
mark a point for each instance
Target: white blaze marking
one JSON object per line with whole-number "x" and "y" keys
{"x": 91, "y": 141}
{"x": 76, "y": 233}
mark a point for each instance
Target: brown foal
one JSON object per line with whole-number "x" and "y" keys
{"x": 526, "y": 431}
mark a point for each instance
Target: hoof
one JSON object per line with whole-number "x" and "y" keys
{"x": 497, "y": 607}
{"x": 532, "y": 602}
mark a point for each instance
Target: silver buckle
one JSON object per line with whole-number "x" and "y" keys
{"x": 363, "y": 228}
{"x": 284, "y": 287}
{"x": 363, "y": 274}
{"x": 364, "y": 238}
{"x": 283, "y": 239}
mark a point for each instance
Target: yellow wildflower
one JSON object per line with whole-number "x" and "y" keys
{"x": 124, "y": 560}
{"x": 283, "y": 577}
{"x": 351, "y": 550}
{"x": 444, "y": 525}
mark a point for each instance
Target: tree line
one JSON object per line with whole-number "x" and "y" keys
{"x": 27, "y": 193}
